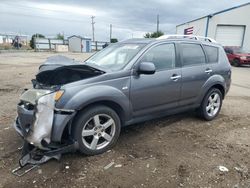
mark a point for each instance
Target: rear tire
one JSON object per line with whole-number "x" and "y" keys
{"x": 211, "y": 104}
{"x": 96, "y": 129}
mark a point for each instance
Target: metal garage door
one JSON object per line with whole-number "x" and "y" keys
{"x": 229, "y": 35}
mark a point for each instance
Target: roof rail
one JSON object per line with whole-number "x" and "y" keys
{"x": 187, "y": 36}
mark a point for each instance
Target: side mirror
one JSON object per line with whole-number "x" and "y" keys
{"x": 146, "y": 68}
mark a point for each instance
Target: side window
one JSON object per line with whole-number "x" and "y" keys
{"x": 192, "y": 54}
{"x": 212, "y": 53}
{"x": 163, "y": 56}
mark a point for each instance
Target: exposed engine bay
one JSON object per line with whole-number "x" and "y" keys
{"x": 60, "y": 70}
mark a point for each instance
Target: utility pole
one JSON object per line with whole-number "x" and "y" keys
{"x": 93, "y": 28}
{"x": 157, "y": 23}
{"x": 110, "y": 33}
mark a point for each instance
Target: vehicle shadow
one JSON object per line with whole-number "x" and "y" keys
{"x": 132, "y": 133}
{"x": 156, "y": 123}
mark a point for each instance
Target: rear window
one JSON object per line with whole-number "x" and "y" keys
{"x": 212, "y": 54}
{"x": 192, "y": 54}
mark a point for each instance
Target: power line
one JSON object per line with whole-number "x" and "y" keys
{"x": 110, "y": 32}
{"x": 61, "y": 11}
{"x": 62, "y": 19}
{"x": 157, "y": 29}
{"x": 148, "y": 25}
{"x": 93, "y": 27}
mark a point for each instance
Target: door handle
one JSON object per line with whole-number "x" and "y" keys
{"x": 208, "y": 71}
{"x": 175, "y": 77}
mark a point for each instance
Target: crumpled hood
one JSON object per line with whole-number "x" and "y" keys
{"x": 60, "y": 70}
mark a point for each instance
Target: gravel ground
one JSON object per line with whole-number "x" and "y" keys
{"x": 176, "y": 151}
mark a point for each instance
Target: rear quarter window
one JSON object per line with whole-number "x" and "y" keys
{"x": 212, "y": 54}
{"x": 192, "y": 54}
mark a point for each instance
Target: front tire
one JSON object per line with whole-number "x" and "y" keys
{"x": 96, "y": 129}
{"x": 211, "y": 104}
{"x": 236, "y": 63}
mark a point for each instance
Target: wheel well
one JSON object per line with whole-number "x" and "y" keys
{"x": 116, "y": 107}
{"x": 221, "y": 88}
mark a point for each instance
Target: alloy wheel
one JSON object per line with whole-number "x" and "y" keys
{"x": 213, "y": 104}
{"x": 98, "y": 131}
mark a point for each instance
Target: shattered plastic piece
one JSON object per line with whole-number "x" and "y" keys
{"x": 39, "y": 171}
{"x": 20, "y": 171}
{"x": 66, "y": 167}
{"x": 223, "y": 169}
{"x": 131, "y": 156}
{"x": 242, "y": 170}
{"x": 154, "y": 170}
{"x": 109, "y": 165}
{"x": 118, "y": 166}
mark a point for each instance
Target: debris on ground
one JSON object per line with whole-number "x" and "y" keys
{"x": 154, "y": 170}
{"x": 118, "y": 166}
{"x": 223, "y": 168}
{"x": 66, "y": 167}
{"x": 109, "y": 165}
{"x": 242, "y": 170}
{"x": 131, "y": 156}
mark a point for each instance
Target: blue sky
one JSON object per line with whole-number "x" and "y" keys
{"x": 129, "y": 18}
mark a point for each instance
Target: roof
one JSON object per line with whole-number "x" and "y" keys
{"x": 213, "y": 14}
{"x": 80, "y": 37}
{"x": 139, "y": 40}
{"x": 13, "y": 34}
{"x": 155, "y": 40}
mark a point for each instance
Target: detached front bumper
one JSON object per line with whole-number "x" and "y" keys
{"x": 41, "y": 124}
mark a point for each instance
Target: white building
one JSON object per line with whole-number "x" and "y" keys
{"x": 79, "y": 44}
{"x": 230, "y": 27}
{"x": 7, "y": 38}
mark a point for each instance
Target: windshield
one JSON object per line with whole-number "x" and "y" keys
{"x": 115, "y": 56}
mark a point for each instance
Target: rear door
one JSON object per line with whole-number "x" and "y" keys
{"x": 195, "y": 72}
{"x": 161, "y": 90}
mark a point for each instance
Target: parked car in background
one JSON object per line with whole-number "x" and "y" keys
{"x": 237, "y": 56}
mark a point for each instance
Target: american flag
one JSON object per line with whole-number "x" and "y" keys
{"x": 189, "y": 31}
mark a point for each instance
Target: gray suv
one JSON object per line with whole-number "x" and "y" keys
{"x": 85, "y": 104}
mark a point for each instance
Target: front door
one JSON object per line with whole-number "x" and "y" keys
{"x": 161, "y": 90}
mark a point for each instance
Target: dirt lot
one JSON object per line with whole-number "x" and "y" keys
{"x": 178, "y": 151}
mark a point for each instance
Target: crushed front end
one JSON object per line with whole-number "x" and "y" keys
{"x": 35, "y": 122}
{"x": 45, "y": 128}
